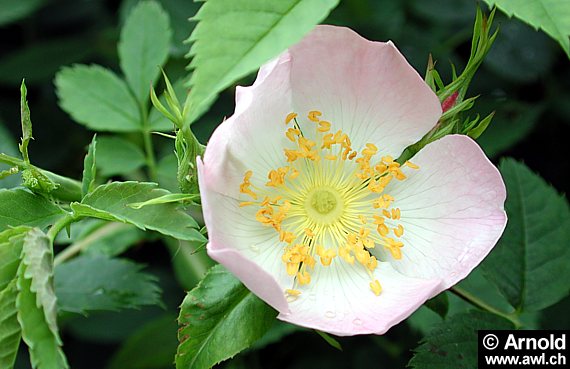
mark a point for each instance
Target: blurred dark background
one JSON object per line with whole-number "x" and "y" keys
{"x": 525, "y": 79}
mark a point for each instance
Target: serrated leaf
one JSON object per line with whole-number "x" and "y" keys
{"x": 11, "y": 241}
{"x": 152, "y": 347}
{"x": 22, "y": 207}
{"x": 9, "y": 326}
{"x": 110, "y": 202}
{"x": 97, "y": 98}
{"x": 36, "y": 303}
{"x": 529, "y": 264}
{"x": 116, "y": 155}
{"x": 453, "y": 343}
{"x": 95, "y": 282}
{"x": 89, "y": 168}
{"x": 234, "y": 37}
{"x": 218, "y": 319}
{"x": 551, "y": 16}
{"x": 143, "y": 48}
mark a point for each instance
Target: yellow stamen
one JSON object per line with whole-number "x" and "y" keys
{"x": 290, "y": 117}
{"x": 375, "y": 287}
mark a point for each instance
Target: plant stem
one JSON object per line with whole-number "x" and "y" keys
{"x": 475, "y": 301}
{"x": 81, "y": 245}
{"x": 59, "y": 225}
{"x": 148, "y": 147}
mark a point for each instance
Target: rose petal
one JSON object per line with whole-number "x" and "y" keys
{"x": 365, "y": 88}
{"x": 452, "y": 210}
{"x": 339, "y": 299}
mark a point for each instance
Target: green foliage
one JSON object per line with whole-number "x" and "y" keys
{"x": 36, "y": 303}
{"x": 89, "y": 168}
{"x": 551, "y": 16}
{"x": 21, "y": 207}
{"x": 95, "y": 282}
{"x": 330, "y": 340}
{"x": 510, "y": 125}
{"x": 111, "y": 202}
{"x": 110, "y": 239}
{"x": 152, "y": 347}
{"x": 166, "y": 199}
{"x": 116, "y": 155}
{"x": 143, "y": 48}
{"x": 529, "y": 265}
{"x": 453, "y": 343}
{"x": 234, "y": 37}
{"x": 26, "y": 123}
{"x": 218, "y": 319}
{"x": 439, "y": 304}
{"x": 9, "y": 326}
{"x": 11, "y": 11}
{"x": 97, "y": 98}
{"x": 7, "y": 146}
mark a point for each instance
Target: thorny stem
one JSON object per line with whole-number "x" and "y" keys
{"x": 59, "y": 225}
{"x": 475, "y": 301}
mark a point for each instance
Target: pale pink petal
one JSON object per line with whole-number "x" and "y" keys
{"x": 243, "y": 245}
{"x": 365, "y": 88}
{"x": 253, "y": 138}
{"x": 452, "y": 210}
{"x": 339, "y": 300}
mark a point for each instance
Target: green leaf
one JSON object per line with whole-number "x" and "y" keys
{"x": 118, "y": 156}
{"x": 110, "y": 202}
{"x": 89, "y": 168}
{"x": 143, "y": 48}
{"x": 36, "y": 303}
{"x": 166, "y": 171}
{"x": 330, "y": 340}
{"x": 22, "y": 207}
{"x": 11, "y": 11}
{"x": 26, "y": 122}
{"x": 95, "y": 282}
{"x": 453, "y": 343}
{"x": 166, "y": 199}
{"x": 276, "y": 333}
{"x": 9, "y": 327}
{"x": 218, "y": 319}
{"x": 97, "y": 98}
{"x": 529, "y": 264}
{"x": 439, "y": 304}
{"x": 158, "y": 121}
{"x": 152, "y": 347}
{"x": 513, "y": 122}
{"x": 234, "y": 37}
{"x": 551, "y": 16}
{"x": 11, "y": 241}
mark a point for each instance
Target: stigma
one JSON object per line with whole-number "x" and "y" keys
{"x": 327, "y": 204}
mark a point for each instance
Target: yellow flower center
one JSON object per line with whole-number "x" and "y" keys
{"x": 328, "y": 203}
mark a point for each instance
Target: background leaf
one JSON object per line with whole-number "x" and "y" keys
{"x": 218, "y": 319}
{"x": 116, "y": 155}
{"x": 234, "y": 37}
{"x": 110, "y": 202}
{"x": 551, "y": 16}
{"x": 95, "y": 282}
{"x": 89, "y": 168}
{"x": 529, "y": 264}
{"x": 9, "y": 326}
{"x": 143, "y": 47}
{"x": 453, "y": 343}
{"x": 97, "y": 98}
{"x": 36, "y": 303}
{"x": 152, "y": 347}
{"x": 22, "y": 207}
{"x": 11, "y": 11}
{"x": 8, "y": 147}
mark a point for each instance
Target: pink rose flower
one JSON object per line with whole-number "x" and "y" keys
{"x": 305, "y": 204}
